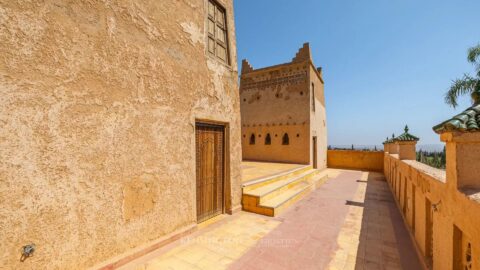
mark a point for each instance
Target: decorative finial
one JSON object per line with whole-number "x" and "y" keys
{"x": 406, "y": 128}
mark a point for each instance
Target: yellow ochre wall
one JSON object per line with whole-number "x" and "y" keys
{"x": 355, "y": 160}
{"x": 278, "y": 99}
{"x": 275, "y": 100}
{"x": 98, "y": 106}
{"x": 294, "y": 152}
{"x": 450, "y": 208}
{"x": 318, "y": 118}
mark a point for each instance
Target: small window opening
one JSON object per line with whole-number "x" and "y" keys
{"x": 285, "y": 139}
{"x": 252, "y": 139}
{"x": 468, "y": 257}
{"x": 268, "y": 139}
{"x": 313, "y": 97}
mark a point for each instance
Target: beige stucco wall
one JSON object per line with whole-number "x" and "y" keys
{"x": 294, "y": 152}
{"x": 97, "y": 111}
{"x": 463, "y": 156}
{"x": 272, "y": 106}
{"x": 451, "y": 208}
{"x": 393, "y": 148}
{"x": 356, "y": 160}
{"x": 276, "y": 100}
{"x": 277, "y": 94}
{"x": 407, "y": 150}
{"x": 318, "y": 118}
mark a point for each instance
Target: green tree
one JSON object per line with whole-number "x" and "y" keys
{"x": 468, "y": 84}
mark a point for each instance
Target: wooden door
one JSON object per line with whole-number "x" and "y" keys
{"x": 315, "y": 166}
{"x": 209, "y": 141}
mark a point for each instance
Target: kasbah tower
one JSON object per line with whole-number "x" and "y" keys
{"x": 283, "y": 112}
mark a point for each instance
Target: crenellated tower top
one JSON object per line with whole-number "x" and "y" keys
{"x": 246, "y": 67}
{"x": 303, "y": 54}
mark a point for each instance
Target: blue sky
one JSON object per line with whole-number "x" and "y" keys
{"x": 386, "y": 63}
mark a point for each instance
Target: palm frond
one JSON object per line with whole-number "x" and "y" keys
{"x": 474, "y": 54}
{"x": 474, "y": 58}
{"x": 466, "y": 85}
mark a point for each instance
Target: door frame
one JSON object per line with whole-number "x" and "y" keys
{"x": 226, "y": 203}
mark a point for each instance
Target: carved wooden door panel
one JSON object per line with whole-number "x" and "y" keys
{"x": 209, "y": 141}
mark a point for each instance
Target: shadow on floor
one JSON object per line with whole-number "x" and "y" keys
{"x": 384, "y": 242}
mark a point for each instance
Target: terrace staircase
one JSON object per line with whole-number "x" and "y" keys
{"x": 273, "y": 194}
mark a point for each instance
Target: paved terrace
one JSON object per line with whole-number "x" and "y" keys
{"x": 351, "y": 222}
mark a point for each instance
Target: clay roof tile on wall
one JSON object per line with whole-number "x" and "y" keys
{"x": 406, "y": 136}
{"x": 392, "y": 139}
{"x": 467, "y": 121}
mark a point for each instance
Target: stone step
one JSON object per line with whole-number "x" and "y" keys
{"x": 269, "y": 191}
{"x": 254, "y": 184}
{"x": 283, "y": 200}
{"x": 274, "y": 198}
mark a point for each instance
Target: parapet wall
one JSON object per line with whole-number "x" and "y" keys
{"x": 355, "y": 160}
{"x": 444, "y": 222}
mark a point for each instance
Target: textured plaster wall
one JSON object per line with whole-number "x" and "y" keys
{"x": 357, "y": 160}
{"x": 318, "y": 118}
{"x": 451, "y": 208}
{"x": 278, "y": 99}
{"x": 467, "y": 160}
{"x": 276, "y": 151}
{"x": 275, "y": 95}
{"x": 98, "y": 101}
{"x": 407, "y": 150}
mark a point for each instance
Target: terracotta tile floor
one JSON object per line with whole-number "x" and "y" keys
{"x": 214, "y": 246}
{"x": 351, "y": 222}
{"x": 373, "y": 235}
{"x": 253, "y": 170}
